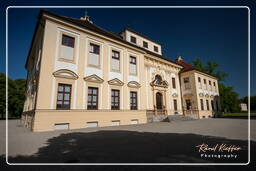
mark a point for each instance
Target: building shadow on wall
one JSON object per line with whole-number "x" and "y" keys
{"x": 130, "y": 147}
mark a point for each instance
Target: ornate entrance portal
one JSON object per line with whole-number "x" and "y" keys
{"x": 159, "y": 101}
{"x": 159, "y": 88}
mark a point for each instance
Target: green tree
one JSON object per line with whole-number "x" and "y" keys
{"x": 210, "y": 68}
{"x": 252, "y": 102}
{"x": 228, "y": 97}
{"x": 16, "y": 96}
{"x": 2, "y": 95}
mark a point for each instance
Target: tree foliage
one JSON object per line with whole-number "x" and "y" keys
{"x": 252, "y": 102}
{"x": 228, "y": 97}
{"x": 210, "y": 68}
{"x": 16, "y": 96}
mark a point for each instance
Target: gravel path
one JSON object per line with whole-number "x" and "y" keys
{"x": 23, "y": 142}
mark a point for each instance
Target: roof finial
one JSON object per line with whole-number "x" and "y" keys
{"x": 179, "y": 58}
{"x": 86, "y": 17}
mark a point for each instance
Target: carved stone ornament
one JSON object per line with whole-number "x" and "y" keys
{"x": 116, "y": 82}
{"x": 93, "y": 78}
{"x": 159, "y": 82}
{"x": 65, "y": 73}
{"x": 201, "y": 94}
{"x": 134, "y": 84}
{"x": 174, "y": 95}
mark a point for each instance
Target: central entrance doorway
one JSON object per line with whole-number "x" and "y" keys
{"x": 159, "y": 100}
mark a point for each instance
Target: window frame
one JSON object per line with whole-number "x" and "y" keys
{"x": 91, "y": 42}
{"x": 156, "y": 49}
{"x": 202, "y": 104}
{"x": 212, "y": 105}
{"x": 133, "y": 63}
{"x": 76, "y": 37}
{"x": 68, "y": 36}
{"x": 186, "y": 81}
{"x": 115, "y": 58}
{"x": 173, "y": 83}
{"x": 145, "y": 44}
{"x": 207, "y": 105}
{"x": 92, "y": 107}
{"x": 175, "y": 105}
{"x": 63, "y": 92}
{"x": 134, "y": 106}
{"x": 115, "y": 107}
{"x": 133, "y": 39}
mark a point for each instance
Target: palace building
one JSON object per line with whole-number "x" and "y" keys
{"x": 80, "y": 75}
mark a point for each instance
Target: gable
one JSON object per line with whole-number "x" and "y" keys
{"x": 134, "y": 84}
{"x": 115, "y": 81}
{"x": 65, "y": 73}
{"x": 94, "y": 78}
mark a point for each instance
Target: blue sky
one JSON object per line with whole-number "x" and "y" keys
{"x": 218, "y": 35}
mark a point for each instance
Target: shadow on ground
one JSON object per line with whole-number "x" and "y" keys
{"x": 129, "y": 147}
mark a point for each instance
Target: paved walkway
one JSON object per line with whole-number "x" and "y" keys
{"x": 156, "y": 142}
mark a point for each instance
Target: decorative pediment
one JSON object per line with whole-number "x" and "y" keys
{"x": 201, "y": 94}
{"x": 116, "y": 82}
{"x": 93, "y": 78}
{"x": 65, "y": 73}
{"x": 159, "y": 82}
{"x": 134, "y": 84}
{"x": 174, "y": 95}
{"x": 188, "y": 95}
{"x": 206, "y": 95}
{"x": 212, "y": 96}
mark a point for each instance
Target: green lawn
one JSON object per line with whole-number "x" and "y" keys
{"x": 237, "y": 114}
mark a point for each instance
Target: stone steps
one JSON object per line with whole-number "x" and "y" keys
{"x": 171, "y": 118}
{"x": 174, "y": 118}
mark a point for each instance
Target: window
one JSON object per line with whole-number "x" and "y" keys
{"x": 67, "y": 47}
{"x": 173, "y": 83}
{"x": 115, "y": 99}
{"x": 134, "y": 121}
{"x": 188, "y": 104}
{"x": 133, "y": 39}
{"x": 205, "y": 85}
{"x": 207, "y": 104}
{"x": 61, "y": 126}
{"x": 68, "y": 41}
{"x": 92, "y": 124}
{"x": 214, "y": 84}
{"x": 115, "y": 60}
{"x": 155, "y": 48}
{"x": 145, "y": 44}
{"x": 115, "y": 123}
{"x": 186, "y": 82}
{"x": 64, "y": 96}
{"x": 217, "y": 105}
{"x": 94, "y": 49}
{"x": 94, "y": 55}
{"x": 133, "y": 65}
{"x": 202, "y": 104}
{"x": 210, "y": 83}
{"x": 199, "y": 81}
{"x": 92, "y": 101}
{"x": 175, "y": 104}
{"x": 212, "y": 104}
{"x": 133, "y": 100}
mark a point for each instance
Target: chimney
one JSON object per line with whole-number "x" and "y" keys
{"x": 86, "y": 18}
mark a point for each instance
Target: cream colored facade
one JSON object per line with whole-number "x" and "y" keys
{"x": 47, "y": 68}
